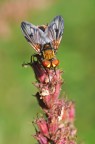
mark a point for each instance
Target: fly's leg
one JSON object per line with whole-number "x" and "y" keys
{"x": 26, "y": 64}
{"x": 29, "y": 63}
{"x": 55, "y": 70}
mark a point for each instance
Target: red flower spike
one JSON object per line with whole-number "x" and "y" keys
{"x": 58, "y": 127}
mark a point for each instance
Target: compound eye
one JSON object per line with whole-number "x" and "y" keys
{"x": 55, "y": 63}
{"x": 46, "y": 63}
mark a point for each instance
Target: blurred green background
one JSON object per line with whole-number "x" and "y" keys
{"x": 18, "y": 106}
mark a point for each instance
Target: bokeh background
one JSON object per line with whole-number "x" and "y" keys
{"x": 18, "y": 106}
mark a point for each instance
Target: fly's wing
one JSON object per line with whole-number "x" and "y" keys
{"x": 33, "y": 35}
{"x": 55, "y": 30}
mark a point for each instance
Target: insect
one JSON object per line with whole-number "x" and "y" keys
{"x": 45, "y": 39}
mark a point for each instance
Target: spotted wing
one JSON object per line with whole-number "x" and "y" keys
{"x": 55, "y": 30}
{"x": 33, "y": 35}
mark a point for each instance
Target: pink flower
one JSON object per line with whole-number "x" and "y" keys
{"x": 72, "y": 112}
{"x": 40, "y": 138}
{"x": 53, "y": 126}
{"x": 40, "y": 73}
{"x": 42, "y": 125}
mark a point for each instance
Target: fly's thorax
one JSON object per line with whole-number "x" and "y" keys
{"x": 48, "y": 54}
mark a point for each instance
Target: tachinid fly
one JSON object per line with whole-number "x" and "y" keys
{"x": 45, "y": 39}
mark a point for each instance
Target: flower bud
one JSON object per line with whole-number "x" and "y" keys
{"x": 42, "y": 125}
